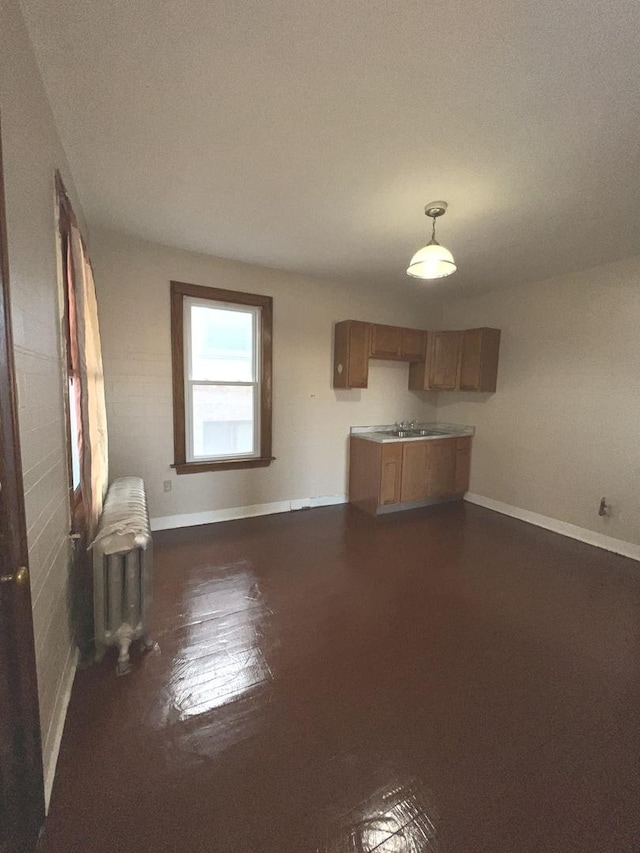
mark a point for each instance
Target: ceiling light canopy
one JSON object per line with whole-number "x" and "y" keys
{"x": 433, "y": 261}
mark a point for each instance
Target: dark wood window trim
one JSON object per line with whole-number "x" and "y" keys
{"x": 179, "y": 290}
{"x": 67, "y": 218}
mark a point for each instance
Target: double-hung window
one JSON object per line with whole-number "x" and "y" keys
{"x": 221, "y": 349}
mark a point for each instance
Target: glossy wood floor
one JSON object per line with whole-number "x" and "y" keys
{"x": 442, "y": 680}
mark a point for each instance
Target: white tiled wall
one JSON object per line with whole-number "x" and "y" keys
{"x": 32, "y": 152}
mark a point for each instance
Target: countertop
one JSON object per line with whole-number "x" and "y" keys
{"x": 383, "y": 433}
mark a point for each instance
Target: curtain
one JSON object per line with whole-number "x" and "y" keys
{"x": 86, "y": 357}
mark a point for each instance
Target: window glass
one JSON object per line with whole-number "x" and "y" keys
{"x": 75, "y": 436}
{"x": 222, "y": 344}
{"x": 222, "y": 420}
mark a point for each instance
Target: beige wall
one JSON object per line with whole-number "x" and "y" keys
{"x": 310, "y": 420}
{"x": 32, "y": 152}
{"x": 563, "y": 428}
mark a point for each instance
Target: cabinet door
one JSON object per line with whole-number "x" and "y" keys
{"x": 479, "y": 368}
{"x": 359, "y": 336}
{"x": 390, "y": 473}
{"x": 441, "y": 467}
{"x": 413, "y": 344}
{"x": 444, "y": 360}
{"x": 351, "y": 354}
{"x": 463, "y": 464}
{"x": 414, "y": 471}
{"x": 385, "y": 341}
{"x": 471, "y": 360}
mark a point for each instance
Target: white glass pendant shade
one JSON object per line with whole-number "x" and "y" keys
{"x": 433, "y": 261}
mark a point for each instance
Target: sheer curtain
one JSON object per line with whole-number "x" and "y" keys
{"x": 94, "y": 471}
{"x": 85, "y": 365}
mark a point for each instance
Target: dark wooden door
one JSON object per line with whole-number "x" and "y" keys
{"x": 21, "y": 783}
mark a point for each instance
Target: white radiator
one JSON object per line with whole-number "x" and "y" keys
{"x": 122, "y": 561}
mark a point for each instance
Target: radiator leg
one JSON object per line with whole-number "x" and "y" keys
{"x": 149, "y": 645}
{"x": 124, "y": 664}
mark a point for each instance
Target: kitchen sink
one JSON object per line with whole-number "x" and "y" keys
{"x": 413, "y": 433}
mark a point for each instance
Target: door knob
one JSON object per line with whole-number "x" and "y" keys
{"x": 20, "y": 577}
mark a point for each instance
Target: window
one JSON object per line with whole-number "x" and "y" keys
{"x": 221, "y": 354}
{"x": 66, "y": 218}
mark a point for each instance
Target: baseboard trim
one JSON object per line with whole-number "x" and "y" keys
{"x": 58, "y": 719}
{"x": 590, "y": 537}
{"x": 169, "y": 522}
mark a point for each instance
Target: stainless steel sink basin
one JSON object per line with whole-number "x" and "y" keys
{"x": 412, "y": 433}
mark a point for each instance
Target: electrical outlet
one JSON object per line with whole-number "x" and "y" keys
{"x": 168, "y": 485}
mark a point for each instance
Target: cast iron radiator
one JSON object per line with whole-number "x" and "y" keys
{"x": 122, "y": 565}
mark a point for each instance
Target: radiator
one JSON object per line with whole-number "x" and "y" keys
{"x": 122, "y": 563}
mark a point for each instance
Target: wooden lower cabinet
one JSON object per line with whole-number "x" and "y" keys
{"x": 384, "y": 475}
{"x": 390, "y": 474}
{"x": 463, "y": 464}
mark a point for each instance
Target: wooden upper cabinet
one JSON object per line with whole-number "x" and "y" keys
{"x": 385, "y": 341}
{"x": 440, "y": 361}
{"x": 443, "y": 360}
{"x": 479, "y": 364}
{"x": 396, "y": 342}
{"x": 351, "y": 354}
{"x": 413, "y": 344}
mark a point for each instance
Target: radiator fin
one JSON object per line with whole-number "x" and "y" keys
{"x": 122, "y": 560}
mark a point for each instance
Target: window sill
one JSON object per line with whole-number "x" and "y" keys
{"x": 227, "y": 465}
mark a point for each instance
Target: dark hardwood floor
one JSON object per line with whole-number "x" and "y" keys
{"x": 442, "y": 680}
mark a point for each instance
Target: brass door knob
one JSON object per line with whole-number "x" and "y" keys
{"x": 20, "y": 577}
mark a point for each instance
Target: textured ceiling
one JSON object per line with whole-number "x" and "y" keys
{"x": 308, "y": 135}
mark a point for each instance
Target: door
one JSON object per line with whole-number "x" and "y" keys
{"x": 21, "y": 783}
{"x": 444, "y": 360}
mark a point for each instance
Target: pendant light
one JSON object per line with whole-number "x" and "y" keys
{"x": 433, "y": 261}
